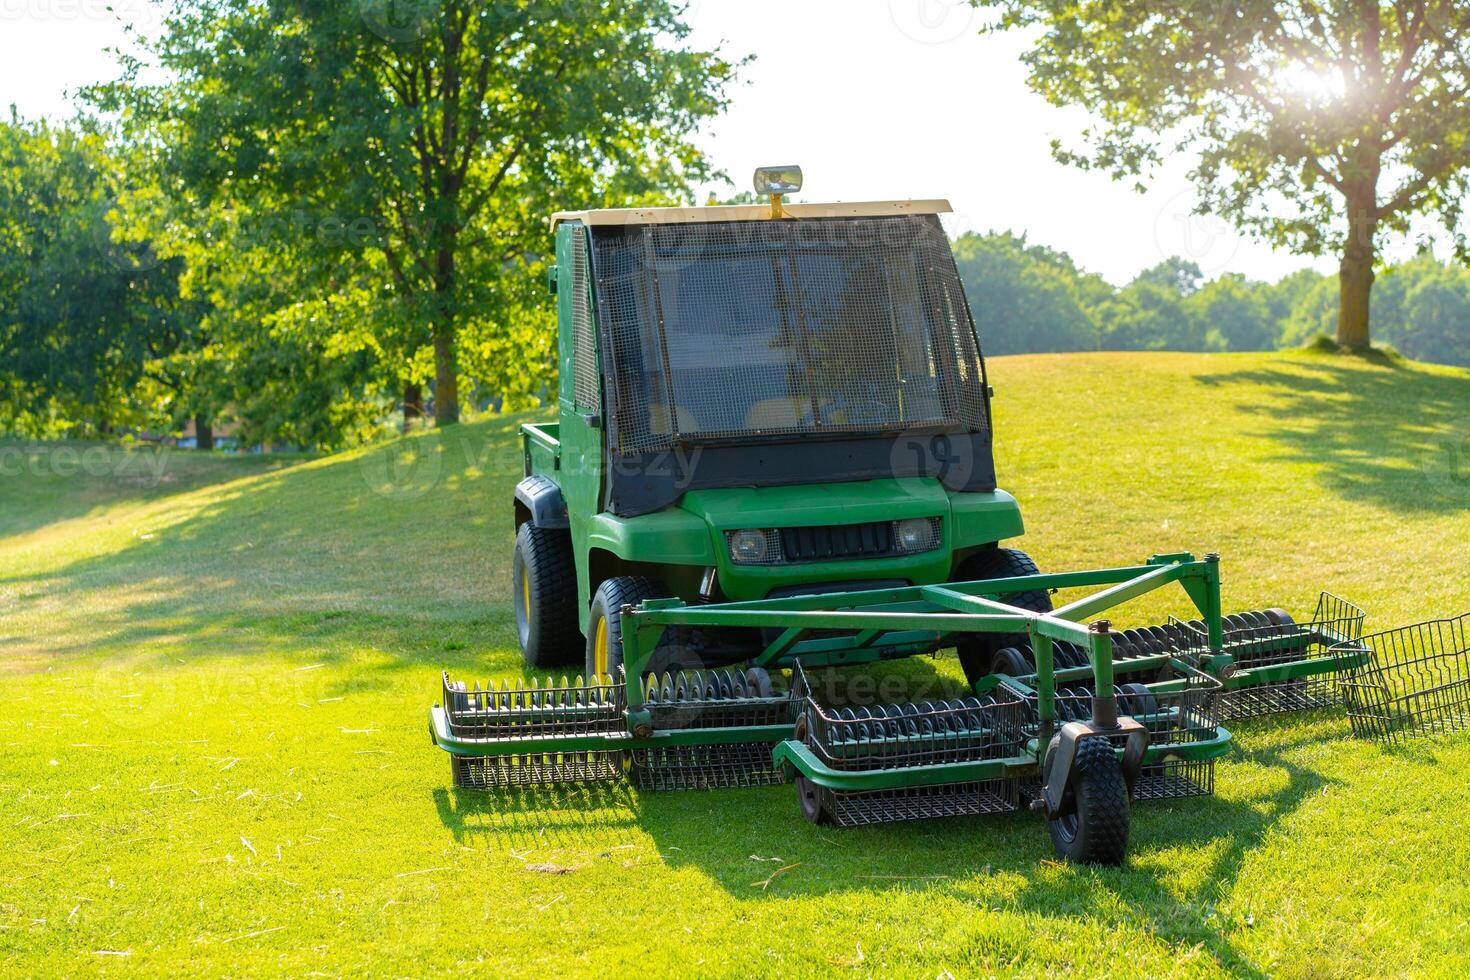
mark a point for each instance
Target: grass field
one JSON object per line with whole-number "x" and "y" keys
{"x": 214, "y": 673}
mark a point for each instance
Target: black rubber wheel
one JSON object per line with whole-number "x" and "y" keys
{"x": 809, "y": 794}
{"x": 545, "y": 590}
{"x": 977, "y": 650}
{"x": 1096, "y": 832}
{"x": 1013, "y": 662}
{"x": 604, "y": 620}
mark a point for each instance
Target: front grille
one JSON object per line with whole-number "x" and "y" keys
{"x": 834, "y": 541}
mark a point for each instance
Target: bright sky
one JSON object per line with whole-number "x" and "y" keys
{"x": 873, "y": 98}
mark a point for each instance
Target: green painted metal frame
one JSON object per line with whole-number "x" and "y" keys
{"x": 886, "y": 623}
{"x": 899, "y": 622}
{"x": 799, "y": 757}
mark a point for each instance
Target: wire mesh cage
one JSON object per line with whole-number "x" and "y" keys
{"x": 907, "y": 736}
{"x": 729, "y": 698}
{"x": 910, "y": 734}
{"x": 1179, "y": 707}
{"x": 849, "y": 809}
{"x": 1270, "y": 637}
{"x": 711, "y": 699}
{"x": 543, "y": 769}
{"x": 525, "y": 709}
{"x": 1415, "y": 680}
{"x": 525, "y": 712}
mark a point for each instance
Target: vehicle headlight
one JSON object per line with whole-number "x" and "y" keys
{"x": 750, "y": 547}
{"x": 916, "y": 534}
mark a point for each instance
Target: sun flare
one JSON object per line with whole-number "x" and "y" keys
{"x": 1310, "y": 83}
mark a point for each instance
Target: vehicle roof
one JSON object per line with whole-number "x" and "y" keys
{"x": 749, "y": 212}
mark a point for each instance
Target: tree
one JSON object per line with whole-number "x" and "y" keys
{"x": 1180, "y": 275}
{"x": 81, "y": 312}
{"x": 1229, "y": 314}
{"x": 1437, "y": 316}
{"x": 1300, "y": 112}
{"x": 431, "y": 137}
{"x": 1027, "y": 298}
{"x": 1148, "y": 315}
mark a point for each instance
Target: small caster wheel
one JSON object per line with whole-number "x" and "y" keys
{"x": 1096, "y": 831}
{"x": 812, "y": 799}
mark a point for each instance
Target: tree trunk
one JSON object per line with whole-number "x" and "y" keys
{"x": 413, "y": 404}
{"x": 446, "y": 362}
{"x": 1355, "y": 275}
{"x": 203, "y": 433}
{"x": 446, "y": 368}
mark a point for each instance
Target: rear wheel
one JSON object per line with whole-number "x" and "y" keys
{"x": 545, "y": 591}
{"x": 1096, "y": 831}
{"x": 977, "y": 650}
{"x": 605, "y": 626}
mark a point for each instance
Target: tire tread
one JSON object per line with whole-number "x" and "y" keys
{"x": 976, "y": 650}
{"x": 554, "y": 637}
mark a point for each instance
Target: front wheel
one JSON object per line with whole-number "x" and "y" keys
{"x": 977, "y": 651}
{"x": 1096, "y": 831}
{"x": 605, "y": 625}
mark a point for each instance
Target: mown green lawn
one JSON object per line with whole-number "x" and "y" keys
{"x": 214, "y": 673}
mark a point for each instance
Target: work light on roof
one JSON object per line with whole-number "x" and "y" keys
{"x": 776, "y": 181}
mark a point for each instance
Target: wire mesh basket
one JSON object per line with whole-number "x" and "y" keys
{"x": 1415, "y": 681}
{"x": 526, "y": 709}
{"x": 1179, "y": 707}
{"x": 526, "y": 712}
{"x": 1270, "y": 637}
{"x": 711, "y": 699}
{"x": 912, "y": 735}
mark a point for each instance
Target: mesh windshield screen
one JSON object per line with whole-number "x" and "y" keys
{"x": 777, "y": 328}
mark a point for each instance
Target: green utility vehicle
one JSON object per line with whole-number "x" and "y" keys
{"x": 773, "y": 458}
{"x": 768, "y": 408}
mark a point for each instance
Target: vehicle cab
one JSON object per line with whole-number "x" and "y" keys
{"x": 754, "y": 401}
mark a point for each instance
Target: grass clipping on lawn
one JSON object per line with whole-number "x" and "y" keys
{"x": 215, "y": 672}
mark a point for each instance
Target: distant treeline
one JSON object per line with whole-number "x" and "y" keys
{"x": 1032, "y": 299}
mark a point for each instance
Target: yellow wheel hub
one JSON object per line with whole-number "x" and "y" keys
{"x": 526, "y": 592}
{"x": 599, "y": 648}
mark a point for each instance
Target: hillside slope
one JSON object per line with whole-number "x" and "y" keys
{"x": 213, "y": 676}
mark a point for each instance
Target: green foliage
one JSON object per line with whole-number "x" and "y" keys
{"x": 422, "y": 146}
{"x": 1232, "y": 314}
{"x": 1146, "y": 315}
{"x": 1300, "y": 113}
{"x": 1027, "y": 298}
{"x": 86, "y": 318}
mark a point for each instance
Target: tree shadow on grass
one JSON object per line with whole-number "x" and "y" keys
{"x": 44, "y": 483}
{"x": 322, "y": 549}
{"x": 1384, "y": 433}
